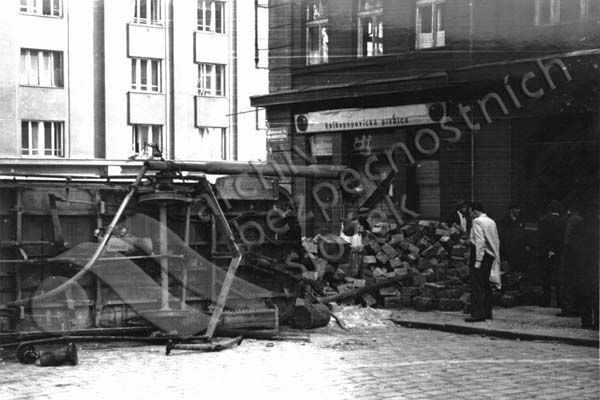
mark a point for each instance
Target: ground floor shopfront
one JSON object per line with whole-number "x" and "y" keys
{"x": 523, "y": 131}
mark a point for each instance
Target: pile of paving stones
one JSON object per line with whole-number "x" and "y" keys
{"x": 424, "y": 263}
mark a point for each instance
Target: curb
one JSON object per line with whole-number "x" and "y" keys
{"x": 471, "y": 330}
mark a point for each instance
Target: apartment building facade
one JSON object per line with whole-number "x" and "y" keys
{"x": 106, "y": 80}
{"x": 495, "y": 100}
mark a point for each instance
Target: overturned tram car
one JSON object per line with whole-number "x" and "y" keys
{"x": 168, "y": 249}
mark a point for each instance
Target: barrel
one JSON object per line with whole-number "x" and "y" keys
{"x": 311, "y": 316}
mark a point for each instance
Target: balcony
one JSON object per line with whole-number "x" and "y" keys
{"x": 42, "y": 103}
{"x": 146, "y": 108}
{"x": 211, "y": 48}
{"x": 145, "y": 41}
{"x": 211, "y": 111}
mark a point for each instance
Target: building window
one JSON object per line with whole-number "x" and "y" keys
{"x": 590, "y": 9}
{"x": 211, "y": 80}
{"x": 146, "y": 75}
{"x": 42, "y": 138}
{"x": 41, "y": 68}
{"x": 144, "y": 137}
{"x": 430, "y": 29}
{"x": 211, "y": 16}
{"x": 50, "y": 8}
{"x": 552, "y": 12}
{"x": 214, "y": 143}
{"x": 147, "y": 12}
{"x": 547, "y": 12}
{"x": 370, "y": 28}
{"x": 317, "y": 40}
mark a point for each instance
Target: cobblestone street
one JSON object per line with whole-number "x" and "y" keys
{"x": 383, "y": 363}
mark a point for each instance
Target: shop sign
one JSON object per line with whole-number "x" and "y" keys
{"x": 321, "y": 146}
{"x": 369, "y": 118}
{"x": 277, "y": 135}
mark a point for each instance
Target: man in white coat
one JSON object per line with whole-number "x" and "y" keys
{"x": 484, "y": 263}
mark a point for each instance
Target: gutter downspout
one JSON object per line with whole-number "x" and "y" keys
{"x": 256, "y": 58}
{"x": 68, "y": 77}
{"x": 472, "y": 147}
{"x": 169, "y": 146}
{"x": 234, "y": 82}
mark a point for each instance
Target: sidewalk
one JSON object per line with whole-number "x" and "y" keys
{"x": 522, "y": 323}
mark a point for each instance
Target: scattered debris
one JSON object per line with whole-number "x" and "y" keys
{"x": 422, "y": 264}
{"x": 363, "y": 317}
{"x": 214, "y": 345}
{"x": 26, "y": 353}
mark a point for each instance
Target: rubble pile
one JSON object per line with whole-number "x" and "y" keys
{"x": 362, "y": 317}
{"x": 423, "y": 265}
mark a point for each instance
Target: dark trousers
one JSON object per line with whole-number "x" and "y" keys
{"x": 549, "y": 275}
{"x": 481, "y": 291}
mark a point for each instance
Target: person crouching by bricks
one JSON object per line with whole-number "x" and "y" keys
{"x": 353, "y": 229}
{"x": 484, "y": 263}
{"x": 461, "y": 217}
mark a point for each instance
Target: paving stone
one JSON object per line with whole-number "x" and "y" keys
{"x": 400, "y": 363}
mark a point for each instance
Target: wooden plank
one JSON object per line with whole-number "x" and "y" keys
{"x": 266, "y": 319}
{"x": 359, "y": 291}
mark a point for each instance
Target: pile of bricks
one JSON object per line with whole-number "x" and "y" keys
{"x": 428, "y": 261}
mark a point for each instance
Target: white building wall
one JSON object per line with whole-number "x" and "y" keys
{"x": 79, "y": 78}
{"x": 78, "y": 33}
{"x": 188, "y": 142}
{"x": 9, "y": 64}
{"x": 250, "y": 81}
{"x": 117, "y": 78}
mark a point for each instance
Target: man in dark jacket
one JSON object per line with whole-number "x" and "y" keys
{"x": 513, "y": 246}
{"x": 571, "y": 260}
{"x": 551, "y": 230}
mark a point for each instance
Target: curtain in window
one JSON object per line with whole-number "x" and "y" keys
{"x": 213, "y": 143}
{"x": 144, "y": 136}
{"x": 42, "y": 138}
{"x": 34, "y": 64}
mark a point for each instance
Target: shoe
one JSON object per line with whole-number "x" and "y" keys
{"x": 474, "y": 319}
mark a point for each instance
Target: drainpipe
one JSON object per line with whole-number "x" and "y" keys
{"x": 169, "y": 146}
{"x": 471, "y": 30}
{"x": 256, "y": 59}
{"x": 67, "y": 80}
{"x": 234, "y": 82}
{"x": 472, "y": 165}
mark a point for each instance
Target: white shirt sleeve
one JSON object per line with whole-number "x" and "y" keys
{"x": 478, "y": 239}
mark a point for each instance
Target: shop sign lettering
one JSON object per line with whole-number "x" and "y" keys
{"x": 364, "y": 118}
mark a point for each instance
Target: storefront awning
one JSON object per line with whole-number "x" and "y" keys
{"x": 371, "y": 87}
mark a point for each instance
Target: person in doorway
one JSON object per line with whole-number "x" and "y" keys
{"x": 461, "y": 217}
{"x": 353, "y": 229}
{"x": 484, "y": 263}
{"x": 514, "y": 249}
{"x": 551, "y": 229}
{"x": 571, "y": 260}
{"x": 587, "y": 298}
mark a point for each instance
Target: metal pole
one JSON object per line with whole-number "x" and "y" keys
{"x": 186, "y": 240}
{"x": 261, "y": 169}
{"x": 164, "y": 262}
